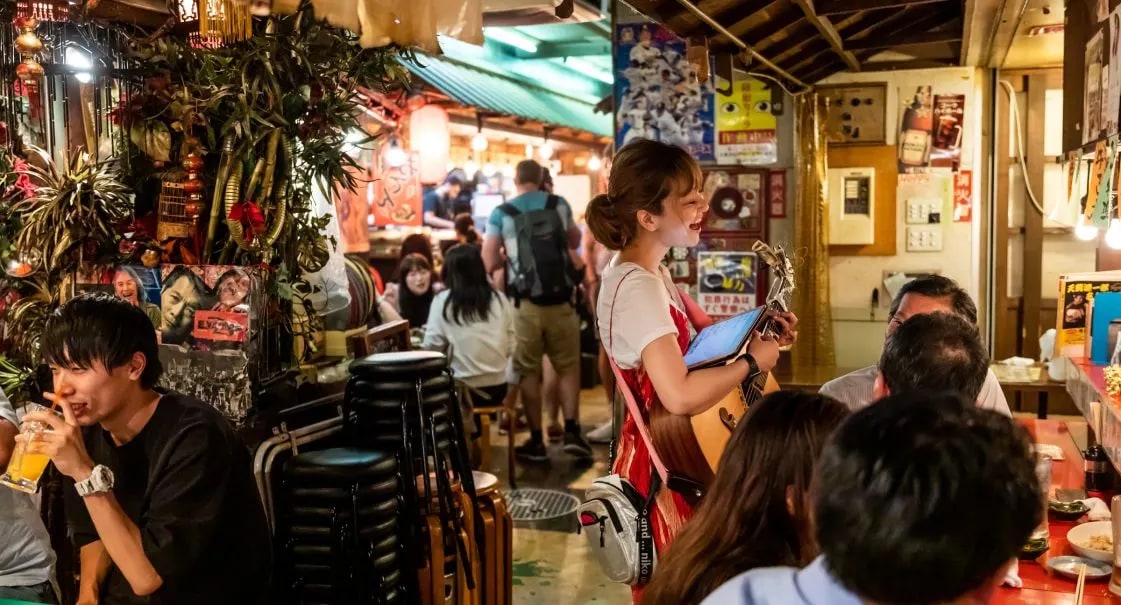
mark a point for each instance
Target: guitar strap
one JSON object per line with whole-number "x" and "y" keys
{"x": 693, "y": 311}
{"x": 628, "y": 397}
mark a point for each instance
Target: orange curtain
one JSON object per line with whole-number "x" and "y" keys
{"x": 811, "y": 224}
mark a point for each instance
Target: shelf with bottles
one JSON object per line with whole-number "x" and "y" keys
{"x": 1085, "y": 383}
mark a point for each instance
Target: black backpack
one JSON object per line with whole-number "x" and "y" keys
{"x": 540, "y": 268}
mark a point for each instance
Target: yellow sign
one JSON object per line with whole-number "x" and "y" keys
{"x": 745, "y": 126}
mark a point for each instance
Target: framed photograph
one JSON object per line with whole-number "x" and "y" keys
{"x": 736, "y": 198}
{"x": 856, "y": 114}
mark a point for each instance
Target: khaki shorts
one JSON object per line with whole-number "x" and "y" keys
{"x": 553, "y": 330}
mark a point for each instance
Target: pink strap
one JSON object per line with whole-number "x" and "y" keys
{"x": 694, "y": 312}
{"x": 632, "y": 405}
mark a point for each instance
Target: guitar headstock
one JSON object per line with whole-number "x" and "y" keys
{"x": 782, "y": 274}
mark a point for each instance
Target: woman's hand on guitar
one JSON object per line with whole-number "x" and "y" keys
{"x": 764, "y": 348}
{"x": 784, "y": 323}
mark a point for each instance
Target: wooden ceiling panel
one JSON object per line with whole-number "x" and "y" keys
{"x": 812, "y": 39}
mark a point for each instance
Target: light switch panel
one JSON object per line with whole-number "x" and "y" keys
{"x": 924, "y": 238}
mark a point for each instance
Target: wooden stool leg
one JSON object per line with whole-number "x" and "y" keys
{"x": 483, "y": 420}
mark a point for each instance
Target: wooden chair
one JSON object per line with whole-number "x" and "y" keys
{"x": 388, "y": 337}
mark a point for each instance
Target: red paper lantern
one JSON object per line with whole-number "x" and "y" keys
{"x": 430, "y": 138}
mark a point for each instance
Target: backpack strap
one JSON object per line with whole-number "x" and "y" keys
{"x": 628, "y": 397}
{"x": 509, "y": 210}
{"x": 552, "y": 202}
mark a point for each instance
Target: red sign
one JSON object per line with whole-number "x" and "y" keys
{"x": 397, "y": 193}
{"x": 963, "y": 196}
{"x": 776, "y": 194}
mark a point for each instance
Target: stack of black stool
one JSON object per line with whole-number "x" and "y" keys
{"x": 340, "y": 538}
{"x": 405, "y": 403}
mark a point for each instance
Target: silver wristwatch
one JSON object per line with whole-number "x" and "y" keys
{"x": 100, "y": 481}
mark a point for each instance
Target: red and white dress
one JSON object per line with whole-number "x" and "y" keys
{"x": 635, "y": 308}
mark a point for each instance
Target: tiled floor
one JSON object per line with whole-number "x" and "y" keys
{"x": 551, "y": 561}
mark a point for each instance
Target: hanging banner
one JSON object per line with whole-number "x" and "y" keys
{"x": 1106, "y": 195}
{"x": 352, "y": 208}
{"x": 745, "y": 127}
{"x": 397, "y": 193}
{"x": 963, "y": 196}
{"x": 1111, "y": 77}
{"x": 1097, "y": 171}
{"x": 777, "y": 180}
{"x": 1092, "y": 103}
{"x": 949, "y": 121}
{"x": 657, "y": 95}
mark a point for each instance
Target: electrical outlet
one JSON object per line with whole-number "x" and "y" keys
{"x": 924, "y": 239}
{"x": 924, "y": 212}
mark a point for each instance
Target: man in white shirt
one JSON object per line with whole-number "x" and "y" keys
{"x": 933, "y": 352}
{"x": 26, "y": 558}
{"x": 925, "y": 294}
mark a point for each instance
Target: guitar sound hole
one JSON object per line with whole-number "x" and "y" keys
{"x": 728, "y": 419}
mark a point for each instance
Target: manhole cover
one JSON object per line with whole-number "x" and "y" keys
{"x": 531, "y": 504}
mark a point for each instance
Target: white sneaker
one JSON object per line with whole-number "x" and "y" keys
{"x": 601, "y": 434}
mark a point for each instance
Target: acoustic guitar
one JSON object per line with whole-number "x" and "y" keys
{"x": 692, "y": 445}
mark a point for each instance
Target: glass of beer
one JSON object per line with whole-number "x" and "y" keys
{"x": 26, "y": 467}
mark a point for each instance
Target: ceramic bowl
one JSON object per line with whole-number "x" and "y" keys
{"x": 1068, "y": 566}
{"x": 1080, "y": 535}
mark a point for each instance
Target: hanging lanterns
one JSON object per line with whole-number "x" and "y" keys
{"x": 219, "y": 21}
{"x": 430, "y": 138}
{"x": 28, "y": 45}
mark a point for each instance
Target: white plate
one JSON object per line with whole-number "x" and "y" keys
{"x": 1082, "y": 534}
{"x": 1068, "y": 566}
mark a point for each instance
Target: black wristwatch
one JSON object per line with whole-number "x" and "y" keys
{"x": 753, "y": 368}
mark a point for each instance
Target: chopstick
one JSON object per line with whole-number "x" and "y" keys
{"x": 1080, "y": 588}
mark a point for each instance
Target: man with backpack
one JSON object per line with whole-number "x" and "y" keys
{"x": 540, "y": 238}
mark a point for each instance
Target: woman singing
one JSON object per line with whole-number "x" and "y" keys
{"x": 654, "y": 203}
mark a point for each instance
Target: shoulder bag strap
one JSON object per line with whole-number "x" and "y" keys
{"x": 628, "y": 397}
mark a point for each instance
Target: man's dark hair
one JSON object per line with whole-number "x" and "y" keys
{"x": 935, "y": 352}
{"x": 99, "y": 327}
{"x": 528, "y": 172}
{"x": 937, "y": 286}
{"x": 454, "y": 180}
{"x": 922, "y": 498}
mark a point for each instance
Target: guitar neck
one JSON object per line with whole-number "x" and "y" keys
{"x": 753, "y": 388}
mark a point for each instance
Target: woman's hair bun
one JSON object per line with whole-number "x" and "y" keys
{"x": 603, "y": 220}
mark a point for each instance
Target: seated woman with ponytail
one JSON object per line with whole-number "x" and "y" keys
{"x": 654, "y": 203}
{"x": 756, "y": 513}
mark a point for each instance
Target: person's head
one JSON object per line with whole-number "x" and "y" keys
{"x": 546, "y": 181}
{"x": 930, "y": 294}
{"x": 924, "y": 498}
{"x": 127, "y": 285}
{"x": 933, "y": 352}
{"x": 414, "y": 289}
{"x": 469, "y": 292}
{"x": 654, "y": 191}
{"x": 102, "y": 352}
{"x": 183, "y": 294}
{"x": 465, "y": 230}
{"x": 528, "y": 176}
{"x": 756, "y": 512}
{"x": 233, "y": 288}
{"x": 418, "y": 243}
{"x": 453, "y": 185}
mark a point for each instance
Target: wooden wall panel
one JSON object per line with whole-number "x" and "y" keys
{"x": 883, "y": 159}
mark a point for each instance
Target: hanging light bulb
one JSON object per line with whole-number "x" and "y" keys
{"x": 395, "y": 157}
{"x": 546, "y": 150}
{"x": 528, "y": 151}
{"x": 1083, "y": 231}
{"x": 594, "y": 163}
{"x": 1113, "y": 235}
{"x": 479, "y": 142}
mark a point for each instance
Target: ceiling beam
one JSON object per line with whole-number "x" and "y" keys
{"x": 840, "y": 7}
{"x": 827, "y": 31}
{"x": 896, "y": 41}
{"x": 909, "y": 64}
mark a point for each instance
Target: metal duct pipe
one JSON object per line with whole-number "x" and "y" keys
{"x": 740, "y": 43}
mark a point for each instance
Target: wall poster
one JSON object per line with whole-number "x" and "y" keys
{"x": 657, "y": 94}
{"x": 746, "y": 130}
{"x": 949, "y": 121}
{"x": 352, "y": 208}
{"x": 1111, "y": 78}
{"x": 963, "y": 196}
{"x": 736, "y": 200}
{"x": 1092, "y": 104}
{"x": 916, "y": 127}
{"x": 777, "y": 198}
{"x": 727, "y": 282}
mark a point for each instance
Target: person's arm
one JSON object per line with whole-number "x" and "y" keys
{"x": 690, "y": 393}
{"x": 431, "y": 220}
{"x": 121, "y": 539}
{"x": 492, "y": 252}
{"x": 94, "y": 564}
{"x": 434, "y": 337}
{"x": 387, "y": 311}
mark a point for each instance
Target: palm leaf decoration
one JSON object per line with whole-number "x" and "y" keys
{"x": 77, "y": 202}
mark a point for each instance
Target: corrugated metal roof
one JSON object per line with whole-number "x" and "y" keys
{"x": 474, "y": 87}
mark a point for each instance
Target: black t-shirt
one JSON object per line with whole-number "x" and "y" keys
{"x": 187, "y": 482}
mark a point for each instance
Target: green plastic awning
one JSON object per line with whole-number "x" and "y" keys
{"x": 475, "y": 87}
